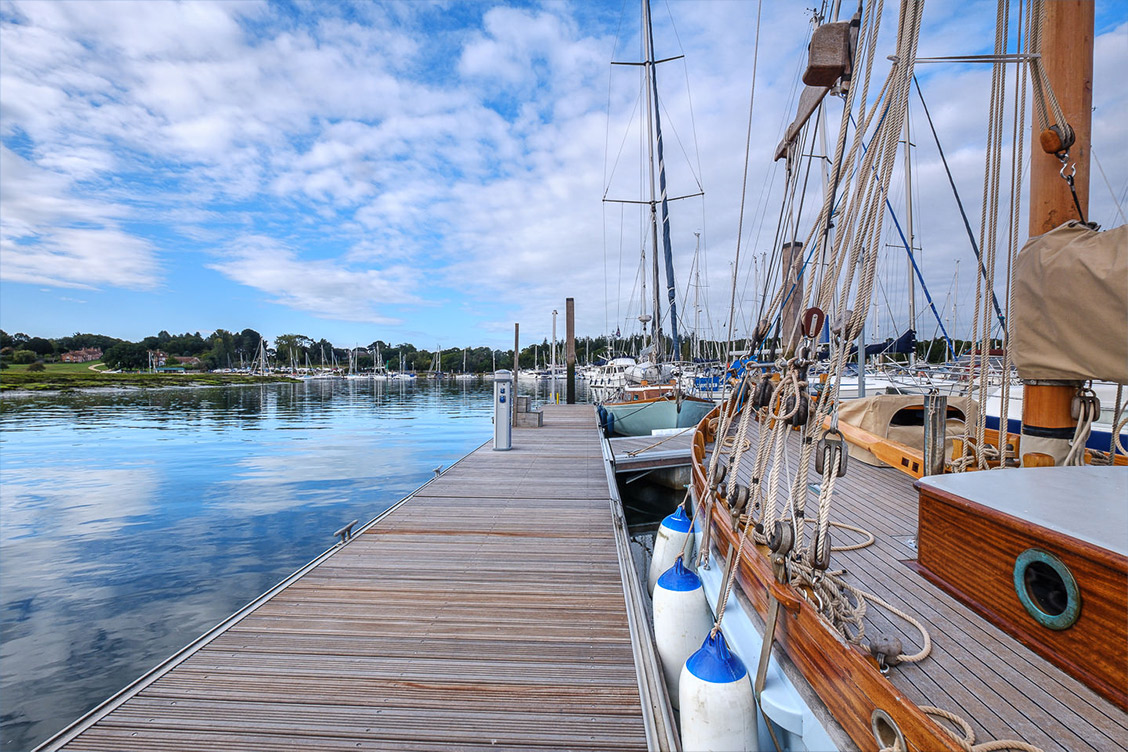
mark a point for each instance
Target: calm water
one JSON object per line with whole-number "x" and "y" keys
{"x": 132, "y": 523}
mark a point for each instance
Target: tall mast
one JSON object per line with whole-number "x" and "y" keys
{"x": 667, "y": 249}
{"x": 696, "y": 295}
{"x": 651, "y": 83}
{"x": 1067, "y": 55}
{"x": 909, "y": 231}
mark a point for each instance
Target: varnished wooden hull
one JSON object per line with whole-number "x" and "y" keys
{"x": 976, "y": 671}
{"x": 846, "y": 679}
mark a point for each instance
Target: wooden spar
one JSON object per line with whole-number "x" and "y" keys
{"x": 1067, "y": 54}
{"x": 570, "y": 347}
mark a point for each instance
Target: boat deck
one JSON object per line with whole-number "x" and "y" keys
{"x": 487, "y": 610}
{"x": 975, "y": 670}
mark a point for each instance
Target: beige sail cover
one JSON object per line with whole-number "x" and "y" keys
{"x": 875, "y": 415}
{"x": 1070, "y": 317}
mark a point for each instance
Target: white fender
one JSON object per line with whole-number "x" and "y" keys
{"x": 718, "y": 710}
{"x": 682, "y": 620}
{"x": 668, "y": 545}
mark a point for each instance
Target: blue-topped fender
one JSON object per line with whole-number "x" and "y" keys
{"x": 715, "y": 663}
{"x": 606, "y": 420}
{"x": 679, "y": 522}
{"x": 679, "y": 579}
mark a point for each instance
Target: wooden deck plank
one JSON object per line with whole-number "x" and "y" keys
{"x": 1003, "y": 689}
{"x": 487, "y": 611}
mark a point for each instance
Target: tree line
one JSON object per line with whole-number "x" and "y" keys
{"x": 228, "y": 349}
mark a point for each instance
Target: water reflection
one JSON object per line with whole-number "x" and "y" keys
{"x": 132, "y": 522}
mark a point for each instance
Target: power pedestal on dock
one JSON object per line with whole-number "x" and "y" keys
{"x": 503, "y": 410}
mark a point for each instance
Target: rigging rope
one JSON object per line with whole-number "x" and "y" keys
{"x": 744, "y": 183}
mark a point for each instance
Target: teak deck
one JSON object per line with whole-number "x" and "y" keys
{"x": 1003, "y": 689}
{"x": 486, "y": 611}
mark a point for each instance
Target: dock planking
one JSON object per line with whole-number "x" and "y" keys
{"x": 487, "y": 610}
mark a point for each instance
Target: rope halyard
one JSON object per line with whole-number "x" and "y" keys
{"x": 1090, "y": 410}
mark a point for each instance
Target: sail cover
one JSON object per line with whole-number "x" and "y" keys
{"x": 1070, "y": 318}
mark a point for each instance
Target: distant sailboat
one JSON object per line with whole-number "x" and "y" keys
{"x": 651, "y": 398}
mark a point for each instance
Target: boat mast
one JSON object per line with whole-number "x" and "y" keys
{"x": 695, "y": 349}
{"x": 909, "y": 232}
{"x": 1067, "y": 56}
{"x": 654, "y": 122}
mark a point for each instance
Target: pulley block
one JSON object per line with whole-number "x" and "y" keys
{"x": 801, "y": 405}
{"x": 762, "y": 397}
{"x": 1057, "y": 138}
{"x": 813, "y": 320}
{"x": 761, "y": 332}
{"x": 887, "y": 649}
{"x": 782, "y": 538}
{"x": 831, "y": 449}
{"x": 739, "y": 498}
{"x": 820, "y": 559}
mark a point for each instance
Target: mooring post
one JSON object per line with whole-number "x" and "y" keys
{"x": 516, "y": 364}
{"x": 570, "y": 350}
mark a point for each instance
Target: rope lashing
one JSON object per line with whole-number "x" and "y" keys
{"x": 1088, "y": 408}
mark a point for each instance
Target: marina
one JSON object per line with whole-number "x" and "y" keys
{"x": 487, "y": 608}
{"x": 760, "y": 526}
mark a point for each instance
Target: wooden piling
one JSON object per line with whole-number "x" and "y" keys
{"x": 570, "y": 349}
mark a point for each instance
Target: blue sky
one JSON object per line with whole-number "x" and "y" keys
{"x": 413, "y": 171}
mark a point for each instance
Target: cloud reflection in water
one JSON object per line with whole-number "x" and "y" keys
{"x": 131, "y": 523}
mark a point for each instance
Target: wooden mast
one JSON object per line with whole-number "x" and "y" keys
{"x": 1067, "y": 54}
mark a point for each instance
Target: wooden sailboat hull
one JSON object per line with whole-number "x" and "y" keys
{"x": 850, "y": 685}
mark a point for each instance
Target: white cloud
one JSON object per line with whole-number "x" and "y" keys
{"x": 327, "y": 288}
{"x": 471, "y": 154}
{"x": 48, "y": 236}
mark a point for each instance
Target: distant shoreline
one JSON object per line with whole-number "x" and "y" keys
{"x": 19, "y": 385}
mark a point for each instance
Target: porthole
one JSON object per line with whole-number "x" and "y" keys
{"x": 1047, "y": 590}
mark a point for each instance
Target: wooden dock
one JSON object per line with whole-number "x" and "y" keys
{"x": 486, "y": 610}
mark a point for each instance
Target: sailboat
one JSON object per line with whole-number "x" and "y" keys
{"x": 651, "y": 398}
{"x": 941, "y": 587}
{"x": 465, "y": 375}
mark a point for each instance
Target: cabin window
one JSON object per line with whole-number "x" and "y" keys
{"x": 1047, "y": 590}
{"x": 914, "y": 416}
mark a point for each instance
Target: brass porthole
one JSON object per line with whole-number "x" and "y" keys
{"x": 1047, "y": 589}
